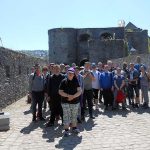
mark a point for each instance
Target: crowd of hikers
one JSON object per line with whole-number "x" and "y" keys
{"x": 69, "y": 91}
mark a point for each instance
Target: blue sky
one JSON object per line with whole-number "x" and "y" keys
{"x": 24, "y": 23}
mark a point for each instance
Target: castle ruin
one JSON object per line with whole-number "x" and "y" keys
{"x": 67, "y": 45}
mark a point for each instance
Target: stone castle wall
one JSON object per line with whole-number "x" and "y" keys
{"x": 14, "y": 72}
{"x": 138, "y": 40}
{"x": 98, "y": 50}
{"x": 66, "y": 46}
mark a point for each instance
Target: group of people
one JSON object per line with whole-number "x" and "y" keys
{"x": 69, "y": 90}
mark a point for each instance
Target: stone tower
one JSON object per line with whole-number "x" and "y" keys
{"x": 62, "y": 45}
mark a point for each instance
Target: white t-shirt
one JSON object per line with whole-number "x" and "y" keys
{"x": 95, "y": 83}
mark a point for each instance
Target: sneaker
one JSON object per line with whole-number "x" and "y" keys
{"x": 76, "y": 131}
{"x": 66, "y": 133}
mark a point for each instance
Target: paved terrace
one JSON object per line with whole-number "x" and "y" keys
{"x": 118, "y": 130}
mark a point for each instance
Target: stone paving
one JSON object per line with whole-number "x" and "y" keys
{"x": 117, "y": 130}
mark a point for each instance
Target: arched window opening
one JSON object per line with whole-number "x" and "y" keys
{"x": 106, "y": 36}
{"x": 84, "y": 37}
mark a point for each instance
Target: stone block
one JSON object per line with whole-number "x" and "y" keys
{"x": 4, "y": 121}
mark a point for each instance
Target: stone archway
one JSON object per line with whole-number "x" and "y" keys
{"x": 106, "y": 36}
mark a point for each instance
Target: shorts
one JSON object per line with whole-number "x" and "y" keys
{"x": 70, "y": 113}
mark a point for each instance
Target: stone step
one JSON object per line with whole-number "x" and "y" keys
{"x": 4, "y": 121}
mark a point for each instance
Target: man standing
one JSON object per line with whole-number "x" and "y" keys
{"x": 107, "y": 87}
{"x": 53, "y": 95}
{"x": 88, "y": 92}
{"x": 36, "y": 91}
{"x": 133, "y": 78}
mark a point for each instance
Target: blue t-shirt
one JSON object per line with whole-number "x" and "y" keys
{"x": 119, "y": 79}
{"x": 137, "y": 66}
{"x": 106, "y": 80}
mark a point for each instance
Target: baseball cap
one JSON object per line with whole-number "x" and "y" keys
{"x": 93, "y": 65}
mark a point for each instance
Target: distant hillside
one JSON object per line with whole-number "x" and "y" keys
{"x": 36, "y": 53}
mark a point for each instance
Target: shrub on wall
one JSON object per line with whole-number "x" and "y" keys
{"x": 126, "y": 48}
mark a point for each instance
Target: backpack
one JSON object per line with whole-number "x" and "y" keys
{"x": 120, "y": 97}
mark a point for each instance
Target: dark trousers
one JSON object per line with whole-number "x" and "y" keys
{"x": 127, "y": 89}
{"x": 37, "y": 99}
{"x": 87, "y": 95}
{"x": 56, "y": 108}
{"x": 100, "y": 95}
{"x": 132, "y": 89}
{"x": 108, "y": 97}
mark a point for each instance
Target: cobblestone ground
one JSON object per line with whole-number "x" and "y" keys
{"x": 117, "y": 130}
